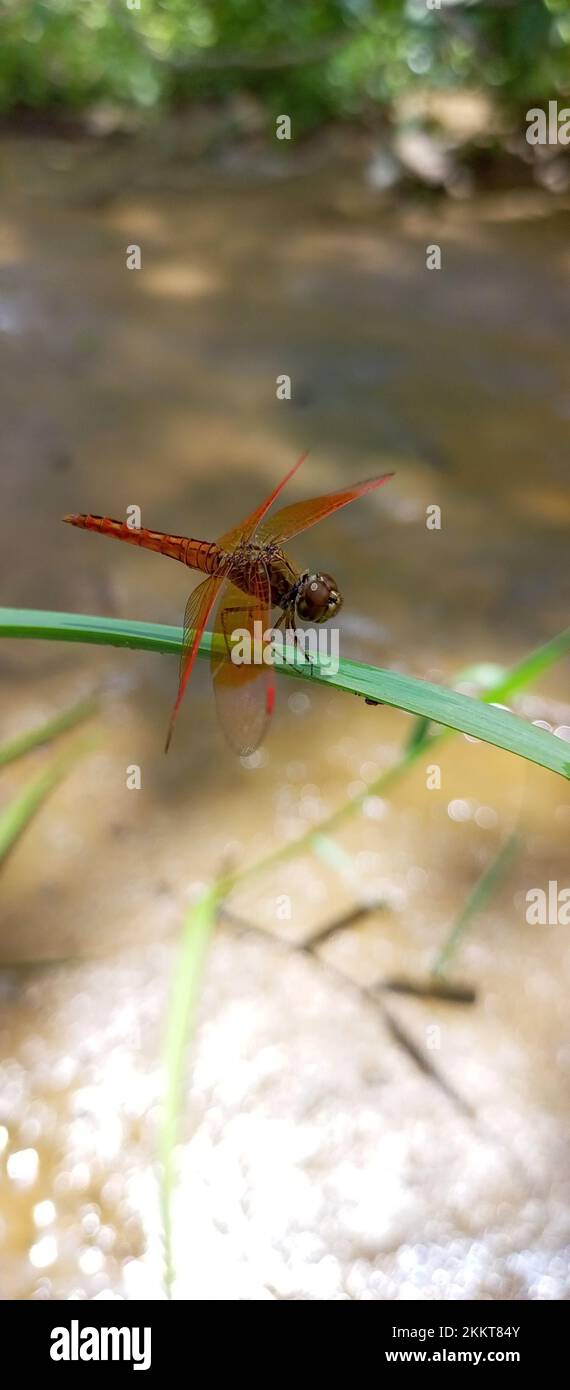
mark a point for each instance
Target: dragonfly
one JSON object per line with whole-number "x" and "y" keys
{"x": 248, "y": 575}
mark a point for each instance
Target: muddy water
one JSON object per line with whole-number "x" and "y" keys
{"x": 316, "y": 1160}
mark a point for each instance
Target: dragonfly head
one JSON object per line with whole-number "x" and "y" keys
{"x": 318, "y": 598}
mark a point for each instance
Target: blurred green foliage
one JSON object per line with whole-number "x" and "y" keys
{"x": 345, "y": 58}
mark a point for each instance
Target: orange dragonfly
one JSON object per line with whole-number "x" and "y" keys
{"x": 248, "y": 576}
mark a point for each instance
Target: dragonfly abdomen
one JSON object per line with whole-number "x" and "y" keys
{"x": 200, "y": 555}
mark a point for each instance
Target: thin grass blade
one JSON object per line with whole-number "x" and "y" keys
{"x": 17, "y": 816}
{"x": 196, "y": 935}
{"x": 477, "y": 901}
{"x": 43, "y": 733}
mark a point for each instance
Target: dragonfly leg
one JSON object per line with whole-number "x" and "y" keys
{"x": 280, "y": 626}
{"x": 288, "y": 618}
{"x": 296, "y": 640}
{"x": 287, "y": 622}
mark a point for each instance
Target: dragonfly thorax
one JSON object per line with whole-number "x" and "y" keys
{"x": 317, "y": 599}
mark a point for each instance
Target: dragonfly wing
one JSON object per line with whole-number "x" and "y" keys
{"x": 197, "y": 612}
{"x": 245, "y": 691}
{"x": 246, "y": 529}
{"x": 289, "y": 521}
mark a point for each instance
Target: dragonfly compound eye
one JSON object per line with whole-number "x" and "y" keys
{"x": 318, "y": 598}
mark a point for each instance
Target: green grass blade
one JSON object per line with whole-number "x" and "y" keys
{"x": 198, "y": 929}
{"x": 477, "y": 901}
{"x": 432, "y": 702}
{"x": 59, "y": 724}
{"x": 17, "y": 816}
{"x": 419, "y": 734}
{"x": 459, "y": 712}
{"x": 338, "y": 859}
{"x": 530, "y": 668}
{"x": 101, "y": 632}
{"x": 520, "y": 676}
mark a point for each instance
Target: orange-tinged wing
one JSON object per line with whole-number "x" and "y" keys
{"x": 197, "y": 612}
{"x": 239, "y": 707}
{"x": 245, "y": 693}
{"x": 289, "y": 521}
{"x": 246, "y": 529}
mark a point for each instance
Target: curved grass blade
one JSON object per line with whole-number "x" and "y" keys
{"x": 17, "y": 816}
{"x": 43, "y": 733}
{"x": 477, "y": 901}
{"x": 432, "y": 702}
{"x": 519, "y": 676}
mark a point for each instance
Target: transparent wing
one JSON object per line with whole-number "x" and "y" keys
{"x": 246, "y": 529}
{"x": 244, "y": 690}
{"x": 197, "y": 612}
{"x": 289, "y": 521}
